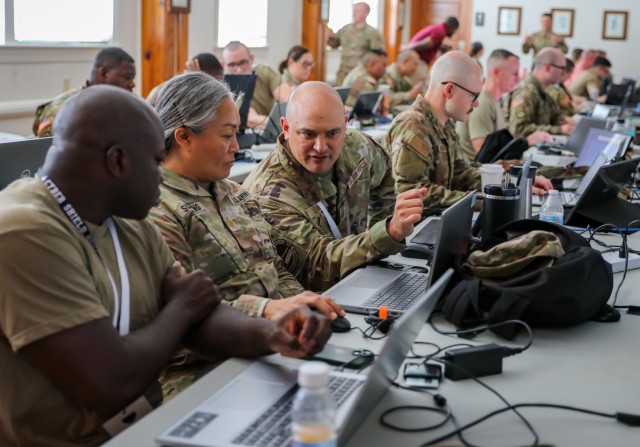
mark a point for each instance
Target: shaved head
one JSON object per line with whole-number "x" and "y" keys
{"x": 314, "y": 96}
{"x": 105, "y": 153}
{"x": 455, "y": 66}
{"x": 315, "y": 126}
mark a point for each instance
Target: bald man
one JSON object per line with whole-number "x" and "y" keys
{"x": 111, "y": 66}
{"x": 529, "y": 108}
{"x": 422, "y": 140}
{"x": 399, "y": 75}
{"x": 92, "y": 304}
{"x": 367, "y": 75}
{"x": 328, "y": 192}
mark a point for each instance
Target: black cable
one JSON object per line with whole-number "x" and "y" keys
{"x": 483, "y": 328}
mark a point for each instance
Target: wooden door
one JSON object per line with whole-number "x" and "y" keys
{"x": 165, "y": 42}
{"x": 431, "y": 12}
{"x": 393, "y": 26}
{"x": 314, "y": 35}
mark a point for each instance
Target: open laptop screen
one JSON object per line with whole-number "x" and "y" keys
{"x": 242, "y": 85}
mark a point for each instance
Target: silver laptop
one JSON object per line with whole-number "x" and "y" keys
{"x": 273, "y": 127}
{"x": 577, "y": 139}
{"x": 368, "y": 288}
{"x": 256, "y": 404}
{"x": 22, "y": 158}
{"x": 569, "y": 199}
{"x": 603, "y": 141}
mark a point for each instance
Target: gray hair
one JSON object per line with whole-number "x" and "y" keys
{"x": 189, "y": 100}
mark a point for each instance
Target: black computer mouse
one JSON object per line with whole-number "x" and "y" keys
{"x": 340, "y": 324}
{"x": 417, "y": 251}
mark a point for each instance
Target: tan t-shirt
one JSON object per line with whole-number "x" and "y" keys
{"x": 50, "y": 280}
{"x": 485, "y": 119}
{"x": 267, "y": 81}
{"x": 579, "y": 88}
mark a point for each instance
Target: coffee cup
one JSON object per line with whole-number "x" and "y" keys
{"x": 491, "y": 174}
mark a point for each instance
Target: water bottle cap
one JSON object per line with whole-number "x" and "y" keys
{"x": 553, "y": 192}
{"x": 313, "y": 375}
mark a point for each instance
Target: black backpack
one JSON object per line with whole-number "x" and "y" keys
{"x": 575, "y": 288}
{"x": 500, "y": 145}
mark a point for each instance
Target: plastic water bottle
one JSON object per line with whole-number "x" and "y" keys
{"x": 314, "y": 409}
{"x": 552, "y": 210}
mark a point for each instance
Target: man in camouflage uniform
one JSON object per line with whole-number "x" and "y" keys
{"x": 237, "y": 59}
{"x": 367, "y": 75}
{"x": 544, "y": 38}
{"x": 111, "y": 66}
{"x": 328, "y": 192}
{"x": 422, "y": 140}
{"x": 398, "y": 77}
{"x": 560, "y": 94}
{"x": 355, "y": 38}
{"x": 529, "y": 108}
{"x": 588, "y": 85}
{"x": 487, "y": 117}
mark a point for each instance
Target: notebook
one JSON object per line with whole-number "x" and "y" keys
{"x": 273, "y": 128}
{"x": 366, "y": 106}
{"x": 599, "y": 203}
{"x": 344, "y": 93}
{"x": 22, "y": 158}
{"x": 235, "y": 414}
{"x": 365, "y": 289}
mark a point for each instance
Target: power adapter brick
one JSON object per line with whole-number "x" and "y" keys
{"x": 476, "y": 361}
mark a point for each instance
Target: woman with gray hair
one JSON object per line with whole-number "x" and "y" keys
{"x": 214, "y": 224}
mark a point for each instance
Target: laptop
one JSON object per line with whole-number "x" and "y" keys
{"x": 344, "y": 93}
{"x": 242, "y": 85}
{"x": 273, "y": 128}
{"x": 366, "y": 106}
{"x": 617, "y": 93}
{"x": 576, "y": 140}
{"x": 22, "y": 158}
{"x": 568, "y": 198}
{"x": 368, "y": 288}
{"x": 257, "y": 402}
{"x": 598, "y": 141}
{"x": 599, "y": 203}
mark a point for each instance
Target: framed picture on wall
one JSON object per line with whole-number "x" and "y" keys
{"x": 177, "y": 6}
{"x": 509, "y": 20}
{"x": 614, "y": 25}
{"x": 562, "y": 22}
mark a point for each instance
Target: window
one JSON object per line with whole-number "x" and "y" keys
{"x": 341, "y": 13}
{"x": 60, "y": 21}
{"x": 244, "y": 20}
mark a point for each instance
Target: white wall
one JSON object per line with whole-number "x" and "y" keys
{"x": 587, "y": 29}
{"x": 32, "y": 75}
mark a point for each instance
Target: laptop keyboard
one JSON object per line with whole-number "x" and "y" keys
{"x": 273, "y": 427}
{"x": 401, "y": 293}
{"x": 567, "y": 198}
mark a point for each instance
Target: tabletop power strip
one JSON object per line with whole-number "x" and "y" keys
{"x": 617, "y": 263}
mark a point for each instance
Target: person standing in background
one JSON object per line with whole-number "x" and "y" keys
{"x": 428, "y": 40}
{"x": 543, "y": 38}
{"x": 355, "y": 39}
{"x": 477, "y": 50}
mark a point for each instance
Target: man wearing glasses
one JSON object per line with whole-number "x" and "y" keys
{"x": 422, "y": 140}
{"x": 529, "y": 108}
{"x": 237, "y": 59}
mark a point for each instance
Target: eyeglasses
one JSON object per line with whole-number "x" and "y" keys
{"x": 560, "y": 67}
{"x": 306, "y": 64}
{"x": 239, "y": 64}
{"x": 474, "y": 95}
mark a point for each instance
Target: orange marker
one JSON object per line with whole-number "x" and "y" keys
{"x": 383, "y": 312}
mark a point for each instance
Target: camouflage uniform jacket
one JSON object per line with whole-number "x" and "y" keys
{"x": 287, "y": 78}
{"x": 562, "y": 98}
{"x": 355, "y": 42}
{"x": 399, "y": 86}
{"x": 267, "y": 80}
{"x": 360, "y": 81}
{"x": 223, "y": 233}
{"x": 426, "y": 154}
{"x": 529, "y": 108}
{"x": 540, "y": 40}
{"x": 46, "y": 113}
{"x": 359, "y": 195}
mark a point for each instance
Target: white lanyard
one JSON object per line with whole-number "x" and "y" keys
{"x": 332, "y": 223}
{"x": 121, "y": 313}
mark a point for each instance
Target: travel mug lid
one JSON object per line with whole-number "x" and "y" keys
{"x": 499, "y": 192}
